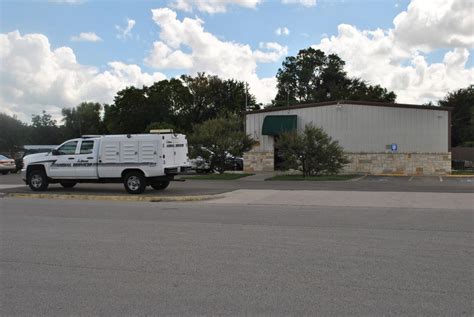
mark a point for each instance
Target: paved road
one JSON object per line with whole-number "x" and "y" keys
{"x": 207, "y": 187}
{"x": 108, "y": 258}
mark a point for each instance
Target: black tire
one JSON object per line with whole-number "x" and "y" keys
{"x": 37, "y": 180}
{"x": 67, "y": 184}
{"x": 5, "y": 172}
{"x": 160, "y": 185}
{"x": 134, "y": 182}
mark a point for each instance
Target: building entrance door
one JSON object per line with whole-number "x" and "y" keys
{"x": 278, "y": 162}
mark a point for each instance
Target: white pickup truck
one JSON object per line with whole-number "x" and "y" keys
{"x": 137, "y": 160}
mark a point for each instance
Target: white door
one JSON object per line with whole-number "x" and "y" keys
{"x": 86, "y": 160}
{"x": 63, "y": 166}
{"x": 169, "y": 150}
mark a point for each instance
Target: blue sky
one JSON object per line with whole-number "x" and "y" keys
{"x": 59, "y": 21}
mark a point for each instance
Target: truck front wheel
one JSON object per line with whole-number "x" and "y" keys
{"x": 134, "y": 182}
{"x": 160, "y": 185}
{"x": 37, "y": 180}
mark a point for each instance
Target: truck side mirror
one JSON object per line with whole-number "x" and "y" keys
{"x": 55, "y": 152}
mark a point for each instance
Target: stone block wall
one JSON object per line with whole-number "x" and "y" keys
{"x": 370, "y": 163}
{"x": 399, "y": 163}
{"x": 258, "y": 162}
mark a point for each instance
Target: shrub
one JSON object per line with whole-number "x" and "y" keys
{"x": 313, "y": 152}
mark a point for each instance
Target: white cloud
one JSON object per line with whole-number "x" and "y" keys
{"x": 427, "y": 25}
{"x": 212, "y": 6}
{"x": 282, "y": 31}
{"x": 207, "y": 53}
{"x": 396, "y": 58}
{"x": 162, "y": 56}
{"x": 305, "y": 3}
{"x": 86, "y": 37}
{"x": 35, "y": 77}
{"x": 126, "y": 32}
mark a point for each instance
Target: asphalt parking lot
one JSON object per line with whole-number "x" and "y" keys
{"x": 12, "y": 183}
{"x": 91, "y": 258}
{"x": 370, "y": 246}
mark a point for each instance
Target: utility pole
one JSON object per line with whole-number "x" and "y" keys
{"x": 288, "y": 96}
{"x": 246, "y": 93}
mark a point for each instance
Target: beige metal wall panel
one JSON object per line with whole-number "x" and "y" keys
{"x": 360, "y": 128}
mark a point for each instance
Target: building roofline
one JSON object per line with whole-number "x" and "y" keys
{"x": 351, "y": 102}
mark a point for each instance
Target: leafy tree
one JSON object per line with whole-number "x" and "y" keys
{"x": 129, "y": 113}
{"x": 83, "y": 119}
{"x": 313, "y": 76}
{"x": 462, "y": 116}
{"x": 215, "y": 138}
{"x": 213, "y": 97}
{"x": 360, "y": 90}
{"x": 313, "y": 152}
{"x": 12, "y": 133}
{"x": 165, "y": 100}
{"x": 44, "y": 130}
{"x": 180, "y": 102}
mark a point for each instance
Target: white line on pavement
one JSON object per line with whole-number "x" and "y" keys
{"x": 3, "y": 186}
{"x": 411, "y": 178}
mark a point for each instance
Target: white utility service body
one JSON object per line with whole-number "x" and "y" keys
{"x": 153, "y": 159}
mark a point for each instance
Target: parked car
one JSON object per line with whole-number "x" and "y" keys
{"x": 6, "y": 165}
{"x": 234, "y": 163}
{"x": 202, "y": 165}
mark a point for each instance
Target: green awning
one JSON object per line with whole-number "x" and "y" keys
{"x": 276, "y": 125}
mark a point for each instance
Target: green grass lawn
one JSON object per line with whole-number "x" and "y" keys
{"x": 224, "y": 176}
{"x": 462, "y": 173}
{"x": 311, "y": 178}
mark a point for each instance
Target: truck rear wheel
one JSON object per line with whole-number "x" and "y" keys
{"x": 37, "y": 180}
{"x": 134, "y": 182}
{"x": 160, "y": 185}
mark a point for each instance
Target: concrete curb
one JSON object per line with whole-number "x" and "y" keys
{"x": 355, "y": 179}
{"x": 459, "y": 176}
{"x": 114, "y": 198}
{"x": 406, "y": 175}
{"x": 390, "y": 175}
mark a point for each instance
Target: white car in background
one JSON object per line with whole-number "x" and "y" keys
{"x": 6, "y": 165}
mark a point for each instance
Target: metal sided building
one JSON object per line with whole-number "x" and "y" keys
{"x": 378, "y": 138}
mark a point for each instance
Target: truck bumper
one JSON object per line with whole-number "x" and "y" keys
{"x": 23, "y": 175}
{"x": 177, "y": 170}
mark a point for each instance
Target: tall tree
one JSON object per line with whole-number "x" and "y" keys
{"x": 179, "y": 102}
{"x": 462, "y": 119}
{"x": 214, "y": 139}
{"x": 213, "y": 97}
{"x": 313, "y": 76}
{"x": 83, "y": 119}
{"x": 165, "y": 100}
{"x": 130, "y": 112}
{"x": 44, "y": 130}
{"x": 12, "y": 133}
